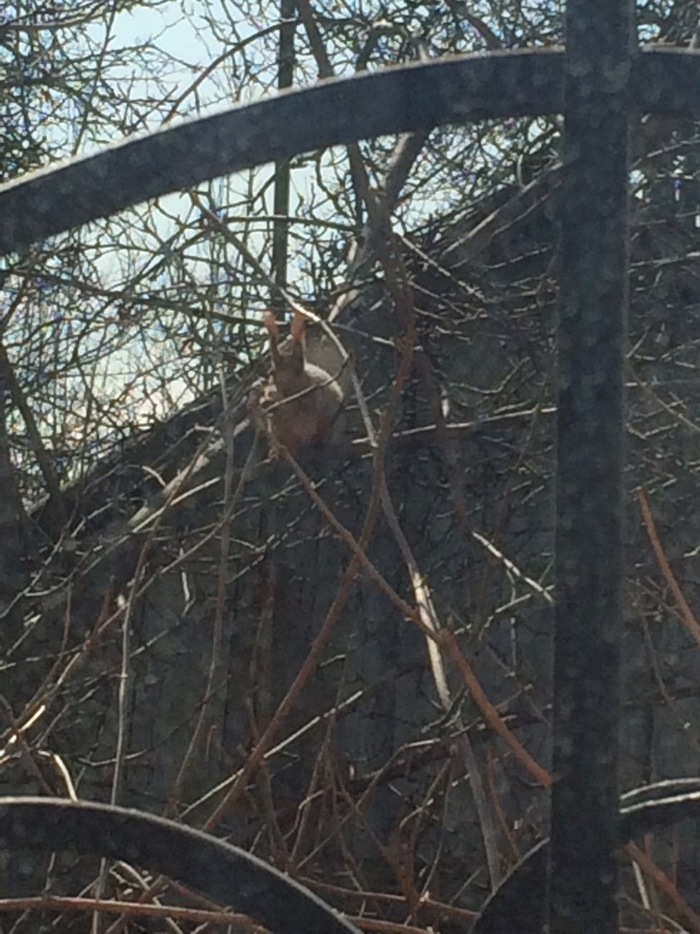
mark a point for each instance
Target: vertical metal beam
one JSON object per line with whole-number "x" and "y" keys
{"x": 589, "y": 496}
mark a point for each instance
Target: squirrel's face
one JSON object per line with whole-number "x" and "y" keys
{"x": 290, "y": 367}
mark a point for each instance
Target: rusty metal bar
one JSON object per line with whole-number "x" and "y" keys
{"x": 589, "y": 496}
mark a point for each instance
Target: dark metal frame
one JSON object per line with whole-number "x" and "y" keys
{"x": 225, "y": 873}
{"x": 335, "y": 112}
{"x": 519, "y": 905}
{"x": 601, "y": 82}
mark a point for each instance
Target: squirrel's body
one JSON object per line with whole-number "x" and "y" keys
{"x": 300, "y": 399}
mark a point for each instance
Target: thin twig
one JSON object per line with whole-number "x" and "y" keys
{"x": 687, "y": 615}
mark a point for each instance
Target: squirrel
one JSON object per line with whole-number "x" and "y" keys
{"x": 300, "y": 400}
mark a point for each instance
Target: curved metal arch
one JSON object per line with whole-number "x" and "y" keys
{"x": 338, "y": 111}
{"x": 217, "y": 869}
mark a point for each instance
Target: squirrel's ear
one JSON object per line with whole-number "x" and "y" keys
{"x": 298, "y": 326}
{"x": 270, "y": 323}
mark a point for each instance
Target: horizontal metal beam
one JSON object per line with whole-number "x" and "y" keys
{"x": 335, "y": 112}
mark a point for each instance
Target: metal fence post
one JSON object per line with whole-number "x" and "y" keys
{"x": 589, "y": 498}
